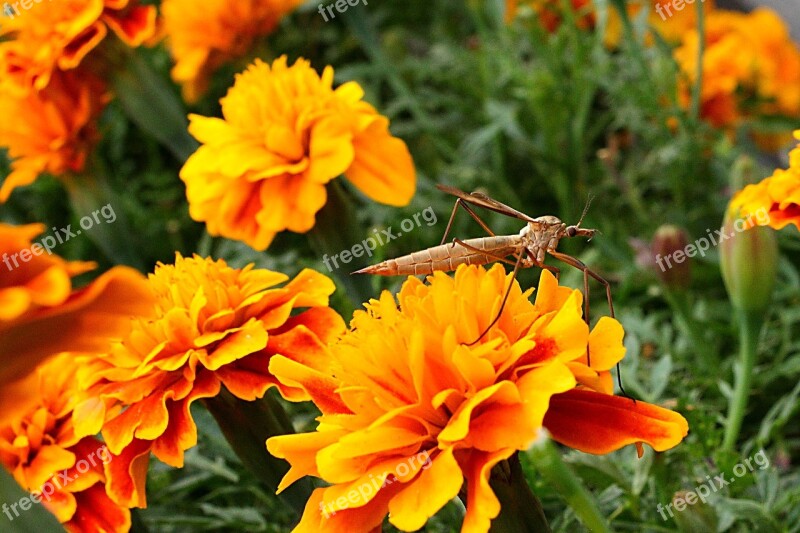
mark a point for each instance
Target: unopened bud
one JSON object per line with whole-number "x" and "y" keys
{"x": 671, "y": 256}
{"x": 749, "y": 263}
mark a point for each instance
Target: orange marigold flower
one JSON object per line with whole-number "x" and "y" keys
{"x": 774, "y": 201}
{"x": 66, "y": 473}
{"x": 41, "y": 315}
{"x": 201, "y": 40}
{"x": 58, "y": 35}
{"x": 751, "y": 67}
{"x": 286, "y": 133}
{"x": 403, "y": 385}
{"x": 212, "y": 325}
{"x": 51, "y": 130}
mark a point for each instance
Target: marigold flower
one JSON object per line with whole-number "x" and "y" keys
{"x": 51, "y": 130}
{"x": 59, "y": 35}
{"x": 41, "y": 315}
{"x": 403, "y": 384}
{"x": 286, "y": 132}
{"x": 201, "y": 40}
{"x": 39, "y": 447}
{"x": 212, "y": 325}
{"x": 751, "y": 67}
{"x": 774, "y": 201}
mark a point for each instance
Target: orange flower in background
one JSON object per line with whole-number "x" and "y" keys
{"x": 54, "y": 36}
{"x": 41, "y": 314}
{"x": 286, "y": 132}
{"x": 549, "y": 12}
{"x": 63, "y": 472}
{"x": 670, "y": 23}
{"x": 212, "y": 325}
{"x": 774, "y": 201}
{"x": 411, "y": 414}
{"x": 201, "y": 40}
{"x": 751, "y": 67}
{"x": 52, "y": 130}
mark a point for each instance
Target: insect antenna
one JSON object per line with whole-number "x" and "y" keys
{"x": 585, "y": 209}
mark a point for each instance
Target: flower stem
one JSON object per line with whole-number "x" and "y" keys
{"x": 520, "y": 510}
{"x": 548, "y": 462}
{"x": 750, "y": 324}
{"x": 154, "y": 105}
{"x": 247, "y": 426}
{"x": 336, "y": 230}
{"x": 697, "y": 90}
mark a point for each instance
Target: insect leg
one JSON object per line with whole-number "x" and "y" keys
{"x": 472, "y": 213}
{"x": 588, "y": 272}
{"x": 520, "y": 255}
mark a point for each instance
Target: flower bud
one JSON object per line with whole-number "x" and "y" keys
{"x": 691, "y": 512}
{"x": 668, "y": 249}
{"x": 749, "y": 263}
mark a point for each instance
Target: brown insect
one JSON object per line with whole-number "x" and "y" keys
{"x": 537, "y": 239}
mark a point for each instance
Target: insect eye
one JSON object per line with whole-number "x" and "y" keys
{"x": 571, "y": 231}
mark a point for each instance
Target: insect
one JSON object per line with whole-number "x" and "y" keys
{"x": 537, "y": 239}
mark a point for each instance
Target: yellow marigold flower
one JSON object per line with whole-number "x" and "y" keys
{"x": 750, "y": 67}
{"x": 41, "y": 315}
{"x": 51, "y": 130}
{"x": 62, "y": 471}
{"x": 774, "y": 201}
{"x": 212, "y": 325}
{"x": 286, "y": 132}
{"x": 412, "y": 415}
{"x": 201, "y": 40}
{"x": 58, "y": 35}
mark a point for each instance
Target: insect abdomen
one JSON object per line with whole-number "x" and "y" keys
{"x": 446, "y": 257}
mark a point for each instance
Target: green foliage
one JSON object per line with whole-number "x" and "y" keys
{"x": 542, "y": 122}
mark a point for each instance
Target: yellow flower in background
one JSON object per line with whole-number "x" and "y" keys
{"x": 412, "y": 415}
{"x": 212, "y": 325}
{"x": 41, "y": 314}
{"x": 51, "y": 130}
{"x": 751, "y": 67}
{"x": 200, "y": 40}
{"x": 286, "y": 133}
{"x": 774, "y": 201}
{"x": 54, "y": 36}
{"x": 66, "y": 473}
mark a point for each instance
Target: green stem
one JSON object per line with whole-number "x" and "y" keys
{"x": 153, "y": 105}
{"x": 520, "y": 510}
{"x": 678, "y": 300}
{"x": 750, "y": 324}
{"x": 247, "y": 426}
{"x": 701, "y": 49}
{"x": 336, "y": 230}
{"x": 558, "y": 475}
{"x": 113, "y": 236}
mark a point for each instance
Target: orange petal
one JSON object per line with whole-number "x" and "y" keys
{"x": 423, "y": 497}
{"x": 383, "y": 169}
{"x": 600, "y": 423}
{"x": 127, "y": 474}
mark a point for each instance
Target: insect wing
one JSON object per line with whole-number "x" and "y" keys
{"x": 481, "y": 200}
